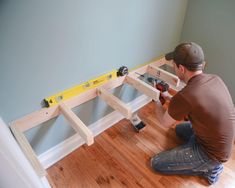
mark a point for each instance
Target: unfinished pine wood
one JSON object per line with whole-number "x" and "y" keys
{"x": 143, "y": 87}
{"x": 28, "y": 151}
{"x": 77, "y": 124}
{"x": 115, "y": 103}
{"x": 163, "y": 75}
{"x": 36, "y": 118}
{"x": 143, "y": 68}
{"x": 120, "y": 158}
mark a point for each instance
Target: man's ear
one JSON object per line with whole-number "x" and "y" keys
{"x": 204, "y": 64}
{"x": 181, "y": 68}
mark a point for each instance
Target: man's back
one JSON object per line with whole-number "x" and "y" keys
{"x": 207, "y": 102}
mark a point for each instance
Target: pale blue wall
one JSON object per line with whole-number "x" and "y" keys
{"x": 211, "y": 23}
{"x": 48, "y": 46}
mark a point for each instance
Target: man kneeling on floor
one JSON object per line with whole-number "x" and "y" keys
{"x": 209, "y": 133}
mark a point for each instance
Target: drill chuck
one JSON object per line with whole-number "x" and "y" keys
{"x": 159, "y": 84}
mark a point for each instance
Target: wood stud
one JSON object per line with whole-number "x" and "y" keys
{"x": 143, "y": 87}
{"x": 115, "y": 103}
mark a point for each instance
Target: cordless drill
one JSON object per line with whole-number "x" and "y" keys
{"x": 160, "y": 85}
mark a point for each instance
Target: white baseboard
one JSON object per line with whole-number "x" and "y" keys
{"x": 45, "y": 182}
{"x": 59, "y": 151}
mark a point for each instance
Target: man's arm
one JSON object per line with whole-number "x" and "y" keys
{"x": 163, "y": 116}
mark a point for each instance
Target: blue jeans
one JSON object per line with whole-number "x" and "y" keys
{"x": 187, "y": 159}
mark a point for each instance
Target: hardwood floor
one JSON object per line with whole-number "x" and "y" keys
{"x": 120, "y": 158}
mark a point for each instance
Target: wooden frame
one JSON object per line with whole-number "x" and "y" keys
{"x": 34, "y": 119}
{"x": 163, "y": 75}
{"x": 77, "y": 124}
{"x": 28, "y": 151}
{"x": 115, "y": 103}
{"x": 143, "y": 87}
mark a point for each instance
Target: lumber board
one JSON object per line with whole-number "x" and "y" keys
{"x": 28, "y": 151}
{"x": 142, "y": 70}
{"x": 163, "y": 75}
{"x": 77, "y": 124}
{"x": 143, "y": 87}
{"x": 115, "y": 103}
{"x": 45, "y": 114}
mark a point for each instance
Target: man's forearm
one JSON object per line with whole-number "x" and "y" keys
{"x": 160, "y": 111}
{"x": 163, "y": 117}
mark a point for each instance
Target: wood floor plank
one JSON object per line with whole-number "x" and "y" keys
{"x": 120, "y": 157}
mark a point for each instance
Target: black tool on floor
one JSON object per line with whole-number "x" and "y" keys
{"x": 137, "y": 123}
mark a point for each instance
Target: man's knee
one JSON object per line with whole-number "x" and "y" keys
{"x": 184, "y": 131}
{"x": 159, "y": 164}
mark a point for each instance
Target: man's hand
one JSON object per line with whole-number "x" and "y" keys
{"x": 166, "y": 95}
{"x": 163, "y": 117}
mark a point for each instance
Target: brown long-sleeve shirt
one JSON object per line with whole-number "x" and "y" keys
{"x": 209, "y": 106}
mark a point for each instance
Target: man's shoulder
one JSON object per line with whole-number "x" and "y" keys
{"x": 214, "y": 80}
{"x": 202, "y": 80}
{"x": 204, "y": 77}
{"x": 211, "y": 76}
{"x": 205, "y": 83}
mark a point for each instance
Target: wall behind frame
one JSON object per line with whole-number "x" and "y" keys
{"x": 49, "y": 46}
